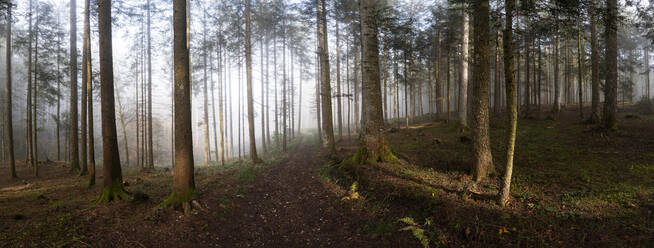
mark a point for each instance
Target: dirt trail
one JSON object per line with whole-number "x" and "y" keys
{"x": 288, "y": 206}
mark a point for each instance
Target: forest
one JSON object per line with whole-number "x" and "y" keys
{"x": 326, "y": 123}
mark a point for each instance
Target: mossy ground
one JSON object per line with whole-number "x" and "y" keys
{"x": 572, "y": 184}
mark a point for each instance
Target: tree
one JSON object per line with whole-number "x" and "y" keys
{"x": 73, "y": 139}
{"x": 325, "y": 88}
{"x": 611, "y": 83}
{"x": 373, "y": 146}
{"x": 594, "y": 58}
{"x": 85, "y": 57}
{"x": 483, "y": 160}
{"x": 183, "y": 181}
{"x": 8, "y": 111}
{"x": 112, "y": 174}
{"x": 511, "y": 98}
{"x": 87, "y": 79}
{"x": 463, "y": 89}
{"x": 150, "y": 154}
{"x": 248, "y": 66}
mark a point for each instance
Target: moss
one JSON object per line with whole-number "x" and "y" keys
{"x": 114, "y": 192}
{"x": 178, "y": 200}
{"x": 384, "y": 154}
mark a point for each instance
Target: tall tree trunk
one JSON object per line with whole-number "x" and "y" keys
{"x": 326, "y": 96}
{"x": 123, "y": 125}
{"x": 28, "y": 99}
{"x": 113, "y": 183}
{"x": 73, "y": 140}
{"x": 374, "y": 146}
{"x": 89, "y": 91}
{"x": 8, "y": 103}
{"x": 207, "y": 143}
{"x": 213, "y": 106}
{"x": 338, "y": 84}
{"x": 647, "y": 70}
{"x": 580, "y": 69}
{"x": 594, "y": 63}
{"x": 183, "y": 181}
{"x": 447, "y": 69}
{"x": 221, "y": 109}
{"x": 512, "y": 109}
{"x": 463, "y": 89}
{"x": 483, "y": 160}
{"x": 58, "y": 123}
{"x": 35, "y": 144}
{"x": 284, "y": 81}
{"x": 248, "y": 61}
{"x": 263, "y": 94}
{"x": 84, "y": 105}
{"x": 611, "y": 84}
{"x": 556, "y": 108}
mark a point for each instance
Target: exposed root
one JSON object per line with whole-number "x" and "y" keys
{"x": 184, "y": 201}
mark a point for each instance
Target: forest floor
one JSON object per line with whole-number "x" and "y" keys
{"x": 573, "y": 186}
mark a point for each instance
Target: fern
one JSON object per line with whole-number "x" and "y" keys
{"x": 416, "y": 229}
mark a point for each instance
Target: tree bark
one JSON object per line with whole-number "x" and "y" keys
{"x": 326, "y": 96}
{"x": 611, "y": 83}
{"x": 84, "y": 105}
{"x": 594, "y": 61}
{"x": 113, "y": 183}
{"x": 89, "y": 91}
{"x": 373, "y": 146}
{"x": 512, "y": 109}
{"x": 483, "y": 160}
{"x": 73, "y": 140}
{"x": 580, "y": 69}
{"x": 248, "y": 61}
{"x": 8, "y": 104}
{"x": 463, "y": 89}
{"x": 183, "y": 181}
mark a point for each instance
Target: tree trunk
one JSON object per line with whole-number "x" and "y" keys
{"x": 263, "y": 94}
{"x": 150, "y": 149}
{"x": 248, "y": 61}
{"x": 207, "y": 144}
{"x": 326, "y": 96}
{"x": 113, "y": 183}
{"x": 556, "y": 108}
{"x": 9, "y": 110}
{"x": 183, "y": 181}
{"x": 338, "y": 84}
{"x": 35, "y": 144}
{"x": 594, "y": 63}
{"x": 580, "y": 70}
{"x": 483, "y": 160}
{"x": 84, "y": 105}
{"x": 611, "y": 83}
{"x": 373, "y": 146}
{"x": 87, "y": 78}
{"x": 58, "y": 122}
{"x": 463, "y": 89}
{"x": 512, "y": 109}
{"x": 213, "y": 106}
{"x": 284, "y": 81}
{"x": 73, "y": 140}
{"x": 28, "y": 99}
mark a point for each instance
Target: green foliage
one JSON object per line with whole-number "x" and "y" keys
{"x": 249, "y": 174}
{"x": 416, "y": 229}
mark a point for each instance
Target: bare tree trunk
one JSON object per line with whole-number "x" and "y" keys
{"x": 89, "y": 91}
{"x": 347, "y": 83}
{"x": 594, "y": 60}
{"x": 374, "y": 146}
{"x": 150, "y": 158}
{"x": 284, "y": 81}
{"x": 248, "y": 61}
{"x": 8, "y": 109}
{"x": 84, "y": 105}
{"x": 512, "y": 109}
{"x": 213, "y": 106}
{"x": 221, "y": 107}
{"x": 580, "y": 68}
{"x": 263, "y": 94}
{"x": 483, "y": 160}
{"x": 338, "y": 84}
{"x": 328, "y": 132}
{"x": 557, "y": 85}
{"x": 463, "y": 89}
{"x": 73, "y": 140}
{"x": 183, "y": 181}
{"x": 123, "y": 124}
{"x": 28, "y": 100}
{"x": 207, "y": 144}
{"x": 35, "y": 144}
{"x": 611, "y": 84}
{"x": 113, "y": 183}
{"x": 447, "y": 66}
{"x": 647, "y": 70}
{"x": 58, "y": 123}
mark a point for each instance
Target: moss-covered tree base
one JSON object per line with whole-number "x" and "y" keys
{"x": 381, "y": 153}
{"x": 180, "y": 201}
{"x": 115, "y": 192}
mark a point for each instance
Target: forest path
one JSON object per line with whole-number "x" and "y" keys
{"x": 288, "y": 205}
